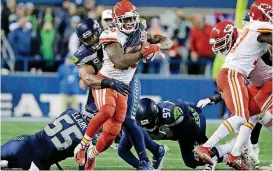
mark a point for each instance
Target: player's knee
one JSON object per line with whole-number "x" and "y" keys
{"x": 236, "y": 122}
{"x": 266, "y": 119}
{"x": 108, "y": 110}
{"x": 129, "y": 125}
{"x": 114, "y": 128}
{"x": 122, "y": 149}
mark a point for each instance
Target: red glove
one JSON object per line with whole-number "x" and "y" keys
{"x": 149, "y": 49}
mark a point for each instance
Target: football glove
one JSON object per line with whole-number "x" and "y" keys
{"x": 119, "y": 86}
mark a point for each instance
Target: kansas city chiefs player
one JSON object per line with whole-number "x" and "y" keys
{"x": 222, "y": 38}
{"x": 240, "y": 61}
{"x": 124, "y": 44}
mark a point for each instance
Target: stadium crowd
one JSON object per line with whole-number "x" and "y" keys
{"x": 45, "y": 36}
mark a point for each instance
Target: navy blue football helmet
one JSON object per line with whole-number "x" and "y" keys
{"x": 88, "y": 32}
{"x": 147, "y": 114}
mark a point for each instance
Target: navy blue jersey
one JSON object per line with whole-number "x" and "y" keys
{"x": 85, "y": 55}
{"x": 176, "y": 118}
{"x": 172, "y": 113}
{"x": 54, "y": 143}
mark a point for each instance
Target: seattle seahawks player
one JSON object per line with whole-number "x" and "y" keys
{"x": 179, "y": 121}
{"x": 89, "y": 59}
{"x": 49, "y": 146}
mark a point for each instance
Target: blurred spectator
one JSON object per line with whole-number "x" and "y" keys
{"x": 74, "y": 43}
{"x": 89, "y": 5}
{"x": 106, "y": 18}
{"x": 32, "y": 17}
{"x": 20, "y": 40}
{"x": 68, "y": 83}
{"x": 70, "y": 26}
{"x": 92, "y": 14}
{"x": 154, "y": 66}
{"x": 201, "y": 53}
{"x": 182, "y": 32}
{"x": 60, "y": 18}
{"x": 5, "y": 13}
{"x": 175, "y": 57}
{"x": 47, "y": 41}
{"x": 14, "y": 18}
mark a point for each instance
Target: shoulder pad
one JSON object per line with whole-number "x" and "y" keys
{"x": 82, "y": 53}
{"x": 110, "y": 34}
{"x": 262, "y": 27}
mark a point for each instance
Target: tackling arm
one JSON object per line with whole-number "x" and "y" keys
{"x": 87, "y": 74}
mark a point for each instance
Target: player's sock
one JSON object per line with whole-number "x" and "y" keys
{"x": 92, "y": 152}
{"x": 256, "y": 133}
{"x": 137, "y": 138}
{"x": 151, "y": 145}
{"x": 106, "y": 111}
{"x": 242, "y": 138}
{"x": 266, "y": 120}
{"x": 104, "y": 142}
{"x": 225, "y": 148}
{"x": 230, "y": 125}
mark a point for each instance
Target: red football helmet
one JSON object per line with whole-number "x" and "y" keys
{"x": 261, "y": 10}
{"x": 222, "y": 37}
{"x": 126, "y": 16}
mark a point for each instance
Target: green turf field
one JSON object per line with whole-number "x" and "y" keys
{"x": 109, "y": 160}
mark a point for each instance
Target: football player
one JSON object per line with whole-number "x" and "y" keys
{"x": 260, "y": 78}
{"x": 241, "y": 59}
{"x": 54, "y": 143}
{"x": 174, "y": 120}
{"x": 124, "y": 44}
{"x": 89, "y": 59}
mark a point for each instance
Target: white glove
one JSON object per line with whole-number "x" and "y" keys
{"x": 152, "y": 56}
{"x": 202, "y": 103}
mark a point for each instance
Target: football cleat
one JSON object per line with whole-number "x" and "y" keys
{"x": 144, "y": 165}
{"x": 90, "y": 164}
{"x": 159, "y": 157}
{"x": 204, "y": 153}
{"x": 249, "y": 157}
{"x": 256, "y": 148}
{"x": 236, "y": 162}
{"x": 209, "y": 167}
{"x": 80, "y": 154}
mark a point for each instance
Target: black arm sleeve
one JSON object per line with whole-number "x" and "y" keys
{"x": 267, "y": 58}
{"x": 216, "y": 98}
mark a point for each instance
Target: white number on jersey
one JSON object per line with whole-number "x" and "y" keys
{"x": 166, "y": 113}
{"x": 57, "y": 129}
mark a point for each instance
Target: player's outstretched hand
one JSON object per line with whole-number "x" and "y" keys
{"x": 204, "y": 102}
{"x": 149, "y": 49}
{"x": 119, "y": 86}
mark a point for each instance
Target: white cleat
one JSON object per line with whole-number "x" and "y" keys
{"x": 250, "y": 157}
{"x": 209, "y": 167}
{"x": 256, "y": 148}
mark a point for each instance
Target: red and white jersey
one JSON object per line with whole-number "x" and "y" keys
{"x": 246, "y": 51}
{"x": 260, "y": 74}
{"x": 112, "y": 34}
